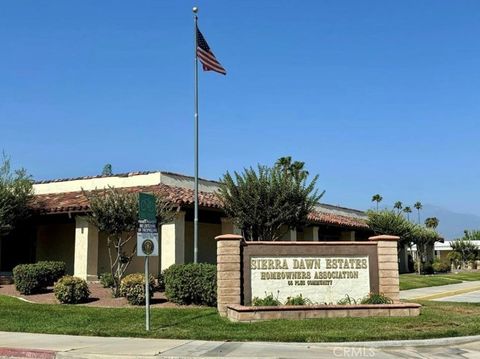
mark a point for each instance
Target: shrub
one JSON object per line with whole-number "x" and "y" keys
{"x": 268, "y": 301}
{"x": 28, "y": 278}
{"x": 33, "y": 278}
{"x": 347, "y": 300}
{"x": 441, "y": 267}
{"x": 161, "y": 282}
{"x": 298, "y": 300}
{"x": 374, "y": 298}
{"x": 132, "y": 287}
{"x": 193, "y": 283}
{"x": 71, "y": 290}
{"x": 428, "y": 268}
{"x": 52, "y": 271}
{"x": 106, "y": 280}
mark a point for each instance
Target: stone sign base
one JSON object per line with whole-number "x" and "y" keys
{"x": 240, "y": 313}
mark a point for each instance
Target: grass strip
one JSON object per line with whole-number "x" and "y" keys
{"x": 438, "y": 319}
{"x": 413, "y": 281}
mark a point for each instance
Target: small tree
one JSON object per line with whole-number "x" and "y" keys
{"x": 262, "y": 201}
{"x": 107, "y": 170}
{"x": 464, "y": 250}
{"x": 115, "y": 212}
{"x": 391, "y": 223}
{"x": 15, "y": 193}
{"x": 423, "y": 238}
{"x": 471, "y": 235}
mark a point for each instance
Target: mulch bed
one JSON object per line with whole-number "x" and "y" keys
{"x": 99, "y": 297}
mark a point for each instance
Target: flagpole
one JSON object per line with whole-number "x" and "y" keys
{"x": 195, "y": 219}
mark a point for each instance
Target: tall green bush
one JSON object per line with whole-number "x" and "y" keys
{"x": 193, "y": 283}
{"x": 262, "y": 202}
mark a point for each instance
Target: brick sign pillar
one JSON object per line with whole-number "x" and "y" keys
{"x": 228, "y": 271}
{"x": 388, "y": 266}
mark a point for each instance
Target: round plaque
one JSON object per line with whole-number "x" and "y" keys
{"x": 148, "y": 246}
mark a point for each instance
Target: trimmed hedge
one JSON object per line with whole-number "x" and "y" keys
{"x": 193, "y": 283}
{"x": 71, "y": 290}
{"x": 132, "y": 287}
{"x": 53, "y": 271}
{"x": 28, "y": 278}
{"x": 34, "y": 278}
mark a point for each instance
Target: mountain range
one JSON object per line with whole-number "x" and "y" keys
{"x": 451, "y": 224}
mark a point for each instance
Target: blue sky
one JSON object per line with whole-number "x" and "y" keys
{"x": 375, "y": 96}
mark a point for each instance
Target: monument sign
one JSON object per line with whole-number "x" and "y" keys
{"x": 320, "y": 279}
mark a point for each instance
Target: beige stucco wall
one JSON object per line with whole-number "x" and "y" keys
{"x": 207, "y": 245}
{"x": 172, "y": 242}
{"x": 56, "y": 242}
{"x": 86, "y": 249}
{"x": 136, "y": 266}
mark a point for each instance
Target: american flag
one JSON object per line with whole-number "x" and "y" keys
{"x": 206, "y": 56}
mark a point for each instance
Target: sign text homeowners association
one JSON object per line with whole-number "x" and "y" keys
{"x": 320, "y": 279}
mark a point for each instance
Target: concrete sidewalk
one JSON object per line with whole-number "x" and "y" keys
{"x": 430, "y": 293}
{"x": 25, "y": 345}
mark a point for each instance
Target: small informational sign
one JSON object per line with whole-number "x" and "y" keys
{"x": 320, "y": 279}
{"x": 147, "y": 234}
{"x": 147, "y": 240}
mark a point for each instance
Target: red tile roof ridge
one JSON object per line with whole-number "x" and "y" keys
{"x": 68, "y": 202}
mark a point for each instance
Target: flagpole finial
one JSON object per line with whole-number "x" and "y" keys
{"x": 195, "y": 9}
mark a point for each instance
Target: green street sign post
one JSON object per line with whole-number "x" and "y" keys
{"x": 147, "y": 240}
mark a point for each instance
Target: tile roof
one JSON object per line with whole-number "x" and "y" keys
{"x": 68, "y": 202}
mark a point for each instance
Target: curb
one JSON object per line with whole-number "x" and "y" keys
{"x": 447, "y": 294}
{"x": 404, "y": 343}
{"x": 27, "y": 353}
{"x": 71, "y": 353}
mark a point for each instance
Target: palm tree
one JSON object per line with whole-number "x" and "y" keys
{"x": 407, "y": 210}
{"x": 432, "y": 222}
{"x": 398, "y": 206}
{"x": 377, "y": 198}
{"x": 418, "y": 206}
{"x": 295, "y": 169}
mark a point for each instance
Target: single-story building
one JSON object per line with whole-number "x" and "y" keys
{"x": 441, "y": 250}
{"x": 59, "y": 230}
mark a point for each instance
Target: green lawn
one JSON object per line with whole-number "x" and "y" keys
{"x": 412, "y": 281}
{"x": 437, "y": 320}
